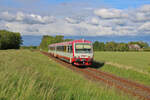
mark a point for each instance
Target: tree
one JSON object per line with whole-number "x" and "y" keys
{"x": 98, "y": 46}
{"x": 47, "y": 40}
{"x": 122, "y": 47}
{"x": 10, "y": 40}
{"x": 111, "y": 46}
{"x": 101, "y": 46}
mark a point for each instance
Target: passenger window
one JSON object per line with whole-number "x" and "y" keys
{"x": 70, "y": 51}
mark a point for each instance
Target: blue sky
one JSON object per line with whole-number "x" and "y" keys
{"x": 76, "y": 17}
{"x": 121, "y": 4}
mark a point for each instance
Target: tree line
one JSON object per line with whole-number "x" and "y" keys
{"x": 98, "y": 46}
{"x": 13, "y": 40}
{"x": 113, "y": 46}
{"x": 47, "y": 40}
{"x": 10, "y": 40}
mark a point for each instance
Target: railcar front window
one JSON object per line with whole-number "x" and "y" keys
{"x": 83, "y": 48}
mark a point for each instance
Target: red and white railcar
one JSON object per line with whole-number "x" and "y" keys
{"x": 77, "y": 52}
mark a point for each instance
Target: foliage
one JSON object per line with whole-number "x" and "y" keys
{"x": 122, "y": 47}
{"x": 110, "y": 46}
{"x": 114, "y": 46}
{"x": 47, "y": 40}
{"x": 10, "y": 40}
{"x": 98, "y": 46}
{"x": 27, "y": 75}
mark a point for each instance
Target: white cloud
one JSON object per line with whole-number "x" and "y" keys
{"x": 104, "y": 21}
{"x": 70, "y": 20}
{"x": 94, "y": 21}
{"x": 145, "y": 8}
{"x": 20, "y": 16}
{"x": 7, "y": 16}
{"x": 145, "y": 27}
{"x": 26, "y": 18}
{"x": 110, "y": 13}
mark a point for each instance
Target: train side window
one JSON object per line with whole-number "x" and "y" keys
{"x": 60, "y": 48}
{"x": 70, "y": 49}
{"x": 52, "y": 48}
{"x": 65, "y": 48}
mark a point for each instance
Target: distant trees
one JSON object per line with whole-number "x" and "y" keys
{"x": 113, "y": 46}
{"x": 47, "y": 40}
{"x": 122, "y": 47}
{"x": 99, "y": 46}
{"x": 10, "y": 40}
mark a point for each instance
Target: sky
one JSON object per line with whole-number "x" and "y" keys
{"x": 76, "y": 17}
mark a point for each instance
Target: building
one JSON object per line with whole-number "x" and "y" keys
{"x": 134, "y": 47}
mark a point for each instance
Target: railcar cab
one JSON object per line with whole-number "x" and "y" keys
{"x": 83, "y": 52}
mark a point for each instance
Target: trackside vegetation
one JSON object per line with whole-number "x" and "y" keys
{"x": 131, "y": 65}
{"x": 27, "y": 75}
{"x": 10, "y": 40}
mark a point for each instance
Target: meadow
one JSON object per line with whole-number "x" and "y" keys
{"x": 27, "y": 75}
{"x": 131, "y": 65}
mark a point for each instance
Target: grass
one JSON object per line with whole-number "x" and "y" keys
{"x": 27, "y": 75}
{"x": 132, "y": 65}
{"x": 138, "y": 60}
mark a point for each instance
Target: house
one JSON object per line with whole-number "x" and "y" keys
{"x": 134, "y": 47}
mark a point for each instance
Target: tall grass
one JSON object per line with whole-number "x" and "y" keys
{"x": 26, "y": 75}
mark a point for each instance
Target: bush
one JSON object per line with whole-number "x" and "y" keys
{"x": 10, "y": 40}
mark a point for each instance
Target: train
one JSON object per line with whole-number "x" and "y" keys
{"x": 76, "y": 52}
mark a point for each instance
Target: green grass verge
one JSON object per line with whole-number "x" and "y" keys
{"x": 138, "y": 60}
{"x": 131, "y": 65}
{"x": 27, "y": 75}
{"x": 128, "y": 74}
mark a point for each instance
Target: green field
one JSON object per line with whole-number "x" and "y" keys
{"x": 27, "y": 75}
{"x": 131, "y": 65}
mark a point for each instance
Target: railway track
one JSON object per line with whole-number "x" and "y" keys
{"x": 136, "y": 89}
